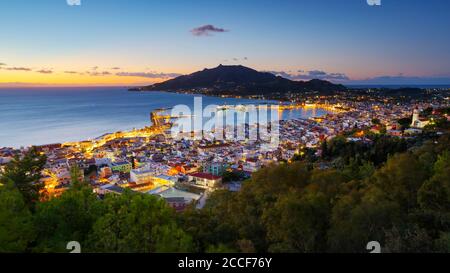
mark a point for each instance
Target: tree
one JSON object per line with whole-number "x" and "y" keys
{"x": 401, "y": 178}
{"x": 298, "y": 223}
{"x": 361, "y": 217}
{"x": 405, "y": 122}
{"x": 138, "y": 223}
{"x": 221, "y": 248}
{"x": 411, "y": 239}
{"x": 231, "y": 176}
{"x": 376, "y": 121}
{"x": 69, "y": 217}
{"x": 25, "y": 173}
{"x": 16, "y": 225}
{"x": 433, "y": 195}
{"x": 75, "y": 174}
{"x": 443, "y": 243}
{"x": 442, "y": 168}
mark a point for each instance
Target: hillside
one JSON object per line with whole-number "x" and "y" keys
{"x": 239, "y": 80}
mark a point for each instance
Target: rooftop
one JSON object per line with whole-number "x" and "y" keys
{"x": 176, "y": 193}
{"x": 205, "y": 176}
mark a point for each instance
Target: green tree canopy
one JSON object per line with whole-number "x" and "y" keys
{"x": 16, "y": 225}
{"x": 25, "y": 173}
{"x": 138, "y": 223}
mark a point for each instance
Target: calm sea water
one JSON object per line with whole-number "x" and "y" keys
{"x": 36, "y": 116}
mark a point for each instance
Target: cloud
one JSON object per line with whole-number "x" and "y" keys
{"x": 317, "y": 73}
{"x": 150, "y": 75}
{"x": 19, "y": 69}
{"x": 283, "y": 74}
{"x": 115, "y": 68}
{"x": 322, "y": 75}
{"x": 2, "y": 64}
{"x": 236, "y": 59}
{"x": 207, "y": 30}
{"x": 21, "y": 84}
{"x": 71, "y": 72}
{"x": 403, "y": 80}
{"x": 398, "y": 79}
{"x": 95, "y": 73}
{"x": 312, "y": 74}
{"x": 45, "y": 71}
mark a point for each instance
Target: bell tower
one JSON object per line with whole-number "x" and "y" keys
{"x": 415, "y": 119}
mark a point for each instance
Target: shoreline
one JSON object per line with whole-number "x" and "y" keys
{"x": 138, "y": 125}
{"x": 134, "y": 130}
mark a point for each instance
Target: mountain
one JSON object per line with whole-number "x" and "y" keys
{"x": 239, "y": 80}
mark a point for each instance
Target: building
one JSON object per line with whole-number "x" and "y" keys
{"x": 102, "y": 161}
{"x": 418, "y": 122}
{"x": 123, "y": 167}
{"x": 110, "y": 189}
{"x": 177, "y": 199}
{"x": 215, "y": 168}
{"x": 105, "y": 172}
{"x": 48, "y": 147}
{"x": 143, "y": 175}
{"x": 5, "y": 160}
{"x": 397, "y": 133}
{"x": 205, "y": 180}
{"x": 164, "y": 180}
{"x": 251, "y": 165}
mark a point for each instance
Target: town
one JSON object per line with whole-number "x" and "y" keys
{"x": 185, "y": 171}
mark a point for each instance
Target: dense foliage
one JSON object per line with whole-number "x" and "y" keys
{"x": 393, "y": 191}
{"x": 404, "y": 203}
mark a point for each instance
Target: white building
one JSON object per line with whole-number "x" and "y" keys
{"x": 205, "y": 180}
{"x": 143, "y": 175}
{"x": 417, "y": 122}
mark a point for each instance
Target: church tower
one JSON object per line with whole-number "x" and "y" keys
{"x": 415, "y": 119}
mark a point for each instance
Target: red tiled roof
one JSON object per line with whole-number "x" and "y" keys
{"x": 214, "y": 146}
{"x": 206, "y": 176}
{"x": 252, "y": 160}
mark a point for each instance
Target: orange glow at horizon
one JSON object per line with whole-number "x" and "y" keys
{"x": 34, "y": 78}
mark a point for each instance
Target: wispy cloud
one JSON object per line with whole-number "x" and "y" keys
{"x": 19, "y": 69}
{"x": 235, "y": 59}
{"x": 150, "y": 75}
{"x": 311, "y": 74}
{"x": 98, "y": 73}
{"x": 45, "y": 71}
{"x": 322, "y": 75}
{"x": 2, "y": 64}
{"x": 115, "y": 68}
{"x": 404, "y": 80}
{"x": 71, "y": 72}
{"x": 207, "y": 30}
{"x": 398, "y": 79}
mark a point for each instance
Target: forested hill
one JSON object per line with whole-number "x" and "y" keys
{"x": 394, "y": 191}
{"x": 240, "y": 80}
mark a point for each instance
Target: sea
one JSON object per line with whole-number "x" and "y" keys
{"x": 37, "y": 116}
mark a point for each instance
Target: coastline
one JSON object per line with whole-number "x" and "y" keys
{"x": 84, "y": 119}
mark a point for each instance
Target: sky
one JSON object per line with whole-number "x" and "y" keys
{"x": 122, "y": 42}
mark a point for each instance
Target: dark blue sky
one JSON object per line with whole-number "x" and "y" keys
{"x": 340, "y": 40}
